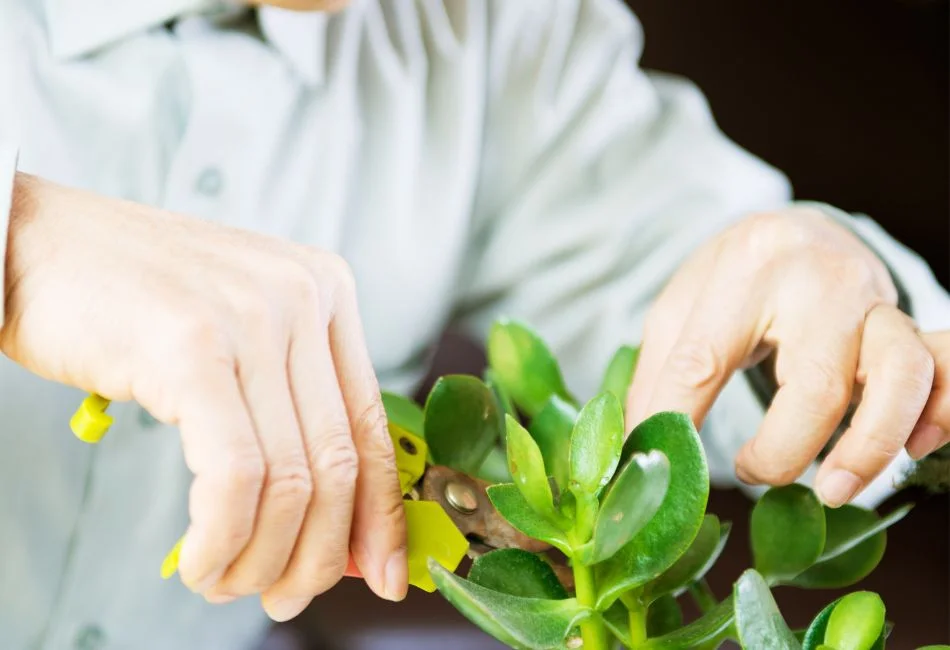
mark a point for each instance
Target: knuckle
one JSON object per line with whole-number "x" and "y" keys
{"x": 292, "y": 485}
{"x": 243, "y": 473}
{"x": 339, "y": 269}
{"x": 194, "y": 334}
{"x": 767, "y": 233}
{"x": 301, "y": 284}
{"x": 696, "y": 363}
{"x": 372, "y": 422}
{"x": 826, "y": 386}
{"x": 337, "y": 461}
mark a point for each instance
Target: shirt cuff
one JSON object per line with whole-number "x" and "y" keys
{"x": 8, "y": 161}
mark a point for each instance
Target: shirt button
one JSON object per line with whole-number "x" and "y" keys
{"x": 146, "y": 419}
{"x": 210, "y": 182}
{"x": 90, "y": 637}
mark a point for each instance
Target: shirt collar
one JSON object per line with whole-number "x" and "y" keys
{"x": 79, "y": 27}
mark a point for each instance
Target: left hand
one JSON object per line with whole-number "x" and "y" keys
{"x": 800, "y": 284}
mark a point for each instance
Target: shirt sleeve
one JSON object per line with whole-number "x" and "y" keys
{"x": 8, "y": 159}
{"x": 598, "y": 180}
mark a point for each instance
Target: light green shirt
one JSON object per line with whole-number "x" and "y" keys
{"x": 469, "y": 158}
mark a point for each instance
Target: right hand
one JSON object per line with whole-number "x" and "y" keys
{"x": 254, "y": 348}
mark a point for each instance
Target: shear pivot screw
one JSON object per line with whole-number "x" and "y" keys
{"x": 461, "y": 497}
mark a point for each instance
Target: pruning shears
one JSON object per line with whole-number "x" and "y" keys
{"x": 448, "y": 513}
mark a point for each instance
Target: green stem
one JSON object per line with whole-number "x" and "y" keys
{"x": 703, "y": 595}
{"x": 638, "y": 624}
{"x": 592, "y": 629}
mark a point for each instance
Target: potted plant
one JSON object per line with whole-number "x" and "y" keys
{"x": 626, "y": 514}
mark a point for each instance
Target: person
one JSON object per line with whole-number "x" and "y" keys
{"x": 240, "y": 221}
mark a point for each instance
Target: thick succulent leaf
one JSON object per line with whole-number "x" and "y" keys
{"x": 788, "y": 531}
{"x": 462, "y": 422}
{"x": 517, "y": 573}
{"x": 674, "y": 527}
{"x": 617, "y": 621}
{"x": 631, "y": 501}
{"x": 524, "y": 366}
{"x": 552, "y": 429}
{"x": 619, "y": 373}
{"x": 814, "y": 636}
{"x": 694, "y": 563}
{"x": 527, "y": 469}
{"x": 511, "y": 504}
{"x": 595, "y": 444}
{"x": 710, "y": 626}
{"x": 853, "y": 565}
{"x": 856, "y": 622}
{"x": 664, "y": 616}
{"x": 758, "y": 620}
{"x": 505, "y": 404}
{"x": 404, "y": 413}
{"x": 852, "y": 532}
{"x": 495, "y": 467}
{"x": 522, "y": 623}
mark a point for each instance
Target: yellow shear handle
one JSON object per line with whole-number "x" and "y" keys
{"x": 430, "y": 531}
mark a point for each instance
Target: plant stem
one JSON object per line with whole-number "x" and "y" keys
{"x": 593, "y": 631}
{"x": 637, "y": 616}
{"x": 703, "y": 595}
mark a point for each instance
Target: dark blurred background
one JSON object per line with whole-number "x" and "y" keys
{"x": 851, "y": 99}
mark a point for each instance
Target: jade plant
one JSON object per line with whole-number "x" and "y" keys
{"x": 627, "y": 515}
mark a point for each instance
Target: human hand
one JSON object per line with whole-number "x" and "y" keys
{"x": 800, "y": 284}
{"x": 254, "y": 348}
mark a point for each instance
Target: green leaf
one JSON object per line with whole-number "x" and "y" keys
{"x": 859, "y": 532}
{"x": 552, "y": 429}
{"x": 694, "y": 563}
{"x": 815, "y": 634}
{"x": 674, "y": 527}
{"x": 462, "y": 422}
{"x": 758, "y": 620}
{"x": 619, "y": 374}
{"x": 617, "y": 620}
{"x": 853, "y": 565}
{"x": 631, "y": 501}
{"x": 595, "y": 444}
{"x": 495, "y": 467}
{"x": 523, "y": 366}
{"x": 856, "y": 623}
{"x": 517, "y": 573}
{"x": 664, "y": 616}
{"x": 527, "y": 469}
{"x": 504, "y": 400}
{"x": 404, "y": 413}
{"x": 511, "y": 504}
{"x": 712, "y": 625}
{"x": 522, "y": 623}
{"x": 788, "y": 531}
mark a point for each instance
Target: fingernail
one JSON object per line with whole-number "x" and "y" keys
{"x": 286, "y": 609}
{"x": 395, "y": 583}
{"x": 220, "y": 599}
{"x": 207, "y": 583}
{"x": 838, "y": 488}
{"x": 925, "y": 439}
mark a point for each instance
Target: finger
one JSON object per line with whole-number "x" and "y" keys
{"x": 815, "y": 369}
{"x": 931, "y": 431}
{"x": 662, "y": 327}
{"x": 723, "y": 328}
{"x": 288, "y": 485}
{"x": 222, "y": 451}
{"x": 897, "y": 372}
{"x": 378, "y": 539}
{"x": 322, "y": 549}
